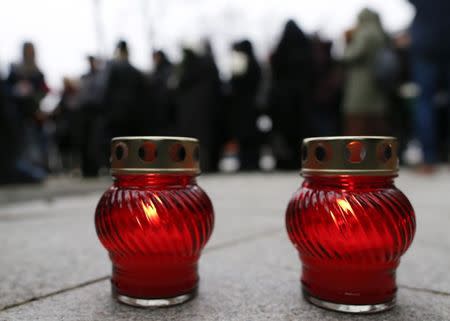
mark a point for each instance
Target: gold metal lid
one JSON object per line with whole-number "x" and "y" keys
{"x": 152, "y": 154}
{"x": 350, "y": 155}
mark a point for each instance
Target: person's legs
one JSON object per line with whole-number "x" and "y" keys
{"x": 249, "y": 154}
{"x": 426, "y": 74}
{"x": 88, "y": 145}
{"x": 447, "y": 68}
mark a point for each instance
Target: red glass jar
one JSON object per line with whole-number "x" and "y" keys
{"x": 349, "y": 223}
{"x": 155, "y": 220}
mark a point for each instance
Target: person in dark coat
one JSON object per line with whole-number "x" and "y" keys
{"x": 430, "y": 49}
{"x": 65, "y": 119}
{"x": 290, "y": 94}
{"x": 124, "y": 96}
{"x": 242, "y": 110}
{"x": 8, "y": 137}
{"x": 198, "y": 98}
{"x": 26, "y": 83}
{"x": 26, "y": 87}
{"x": 91, "y": 124}
{"x": 161, "y": 95}
{"x": 327, "y": 91}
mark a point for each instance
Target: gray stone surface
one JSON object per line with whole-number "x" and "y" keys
{"x": 237, "y": 284}
{"x": 53, "y": 267}
{"x": 47, "y": 250}
{"x": 51, "y": 189}
{"x": 47, "y": 246}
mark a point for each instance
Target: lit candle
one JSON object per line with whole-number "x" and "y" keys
{"x": 349, "y": 223}
{"x": 155, "y": 220}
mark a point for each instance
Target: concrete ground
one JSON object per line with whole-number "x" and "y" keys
{"x": 52, "y": 266}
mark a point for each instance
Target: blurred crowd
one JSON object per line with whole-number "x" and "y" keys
{"x": 380, "y": 84}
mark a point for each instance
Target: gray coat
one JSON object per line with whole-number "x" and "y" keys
{"x": 363, "y": 96}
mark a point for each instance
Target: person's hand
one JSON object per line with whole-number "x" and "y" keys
{"x": 348, "y": 35}
{"x": 403, "y": 40}
{"x": 23, "y": 88}
{"x": 231, "y": 147}
{"x": 40, "y": 116}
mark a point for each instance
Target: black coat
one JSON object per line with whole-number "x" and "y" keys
{"x": 9, "y": 133}
{"x": 198, "y": 98}
{"x": 242, "y": 110}
{"x": 431, "y": 29}
{"x": 290, "y": 94}
{"x": 160, "y": 99}
{"x": 124, "y": 99}
{"x": 27, "y": 104}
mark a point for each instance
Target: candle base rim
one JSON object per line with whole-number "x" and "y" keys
{"x": 154, "y": 302}
{"x": 350, "y": 308}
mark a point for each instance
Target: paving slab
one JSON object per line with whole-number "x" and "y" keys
{"x": 422, "y": 267}
{"x": 249, "y": 270}
{"x": 426, "y": 265}
{"x": 52, "y": 188}
{"x": 236, "y": 284}
{"x": 48, "y": 246}
{"x": 44, "y": 255}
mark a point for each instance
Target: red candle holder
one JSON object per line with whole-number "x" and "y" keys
{"x": 349, "y": 223}
{"x": 155, "y": 220}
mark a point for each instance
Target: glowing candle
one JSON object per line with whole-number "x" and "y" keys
{"x": 155, "y": 220}
{"x": 349, "y": 223}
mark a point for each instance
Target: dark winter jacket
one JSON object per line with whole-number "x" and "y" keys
{"x": 124, "y": 99}
{"x": 431, "y": 29}
{"x": 26, "y": 103}
{"x": 160, "y": 100}
{"x": 198, "y": 95}
{"x": 290, "y": 95}
{"x": 242, "y": 111}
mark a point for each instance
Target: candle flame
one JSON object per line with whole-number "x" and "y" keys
{"x": 150, "y": 211}
{"x": 345, "y": 206}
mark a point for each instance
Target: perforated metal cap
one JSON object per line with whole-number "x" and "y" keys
{"x": 350, "y": 155}
{"x": 151, "y": 154}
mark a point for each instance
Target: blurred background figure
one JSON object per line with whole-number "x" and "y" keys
{"x": 65, "y": 119}
{"x": 8, "y": 137}
{"x": 401, "y": 98}
{"x": 91, "y": 123}
{"x": 198, "y": 99}
{"x": 124, "y": 96}
{"x": 365, "y": 102}
{"x": 430, "y": 33}
{"x": 26, "y": 87}
{"x": 325, "y": 111}
{"x": 161, "y": 98}
{"x": 254, "y": 115}
{"x": 242, "y": 110}
{"x": 290, "y": 94}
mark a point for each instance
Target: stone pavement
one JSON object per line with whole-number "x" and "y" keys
{"x": 52, "y": 266}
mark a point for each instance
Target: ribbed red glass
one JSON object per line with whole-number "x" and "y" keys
{"x": 154, "y": 227}
{"x": 350, "y": 232}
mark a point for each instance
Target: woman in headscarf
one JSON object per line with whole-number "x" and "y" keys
{"x": 290, "y": 94}
{"x": 365, "y": 101}
{"x": 197, "y": 99}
